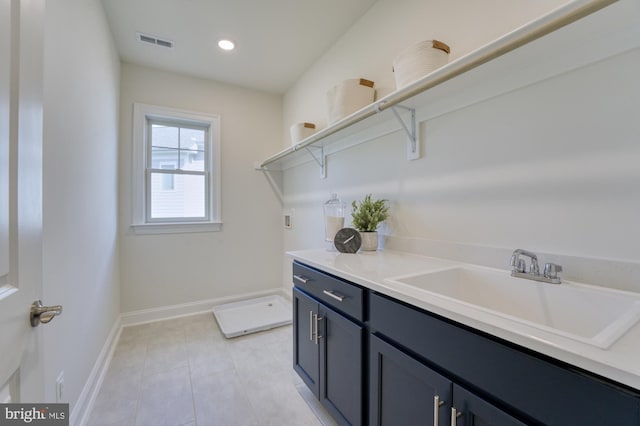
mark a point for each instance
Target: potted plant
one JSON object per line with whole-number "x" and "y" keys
{"x": 366, "y": 218}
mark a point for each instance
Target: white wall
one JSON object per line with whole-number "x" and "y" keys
{"x": 369, "y": 47}
{"x": 550, "y": 166}
{"x": 80, "y": 246}
{"x": 170, "y": 269}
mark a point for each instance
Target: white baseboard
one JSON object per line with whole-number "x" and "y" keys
{"x": 82, "y": 409}
{"x": 191, "y": 308}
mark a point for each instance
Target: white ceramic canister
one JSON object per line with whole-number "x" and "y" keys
{"x": 348, "y": 97}
{"x": 300, "y": 131}
{"x": 418, "y": 60}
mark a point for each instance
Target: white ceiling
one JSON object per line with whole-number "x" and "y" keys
{"x": 276, "y": 40}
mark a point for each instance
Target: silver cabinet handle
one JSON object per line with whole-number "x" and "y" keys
{"x": 313, "y": 327}
{"x": 330, "y": 293}
{"x": 300, "y": 278}
{"x": 436, "y": 408}
{"x": 318, "y": 336}
{"x": 454, "y": 416}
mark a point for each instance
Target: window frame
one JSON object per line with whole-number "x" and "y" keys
{"x": 142, "y": 223}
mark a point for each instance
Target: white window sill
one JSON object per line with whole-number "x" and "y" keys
{"x": 175, "y": 228}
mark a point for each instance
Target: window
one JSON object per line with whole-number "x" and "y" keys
{"x": 176, "y": 170}
{"x": 168, "y": 183}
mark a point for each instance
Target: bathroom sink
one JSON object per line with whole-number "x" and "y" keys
{"x": 580, "y": 312}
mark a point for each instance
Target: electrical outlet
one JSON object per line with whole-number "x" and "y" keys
{"x": 288, "y": 219}
{"x": 60, "y": 387}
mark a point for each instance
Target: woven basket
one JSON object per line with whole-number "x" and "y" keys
{"x": 418, "y": 60}
{"x": 300, "y": 131}
{"x": 348, "y": 97}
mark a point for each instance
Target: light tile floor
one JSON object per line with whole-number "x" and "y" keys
{"x": 184, "y": 372}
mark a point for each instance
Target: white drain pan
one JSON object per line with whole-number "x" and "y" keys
{"x": 250, "y": 316}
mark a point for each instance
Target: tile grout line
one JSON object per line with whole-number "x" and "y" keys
{"x": 193, "y": 397}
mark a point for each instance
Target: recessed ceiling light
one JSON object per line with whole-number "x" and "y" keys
{"x": 225, "y": 44}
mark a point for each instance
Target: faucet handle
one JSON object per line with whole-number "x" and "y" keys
{"x": 518, "y": 264}
{"x": 551, "y": 270}
{"x": 533, "y": 267}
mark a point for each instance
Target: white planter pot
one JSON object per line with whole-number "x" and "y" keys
{"x": 369, "y": 241}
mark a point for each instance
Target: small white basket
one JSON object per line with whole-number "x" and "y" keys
{"x": 418, "y": 60}
{"x": 300, "y": 131}
{"x": 348, "y": 97}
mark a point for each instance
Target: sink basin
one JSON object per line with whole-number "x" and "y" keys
{"x": 580, "y": 312}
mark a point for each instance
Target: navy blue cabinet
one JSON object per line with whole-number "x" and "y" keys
{"x": 341, "y": 368}
{"x": 306, "y": 356}
{"x": 371, "y": 359}
{"x": 405, "y": 392}
{"x": 525, "y": 385}
{"x": 328, "y": 342}
{"x": 471, "y": 410}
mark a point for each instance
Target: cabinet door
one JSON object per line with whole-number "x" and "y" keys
{"x": 306, "y": 361}
{"x": 472, "y": 410}
{"x": 404, "y": 391}
{"x": 341, "y": 342}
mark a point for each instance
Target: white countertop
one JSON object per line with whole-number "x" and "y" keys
{"x": 620, "y": 362}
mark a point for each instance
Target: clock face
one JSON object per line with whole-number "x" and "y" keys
{"x": 347, "y": 240}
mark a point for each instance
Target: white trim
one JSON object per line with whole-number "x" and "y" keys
{"x": 83, "y": 406}
{"x": 175, "y": 228}
{"x": 142, "y": 112}
{"x": 192, "y": 308}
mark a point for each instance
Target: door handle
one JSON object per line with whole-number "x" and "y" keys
{"x": 312, "y": 321}
{"x": 318, "y": 336}
{"x": 436, "y": 407}
{"x": 40, "y": 314}
{"x": 454, "y": 416}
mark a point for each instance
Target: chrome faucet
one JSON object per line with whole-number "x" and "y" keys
{"x": 519, "y": 264}
{"x": 519, "y": 268}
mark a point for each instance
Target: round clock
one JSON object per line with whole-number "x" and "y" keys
{"x": 347, "y": 240}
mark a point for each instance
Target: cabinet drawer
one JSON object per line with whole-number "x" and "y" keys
{"x": 332, "y": 291}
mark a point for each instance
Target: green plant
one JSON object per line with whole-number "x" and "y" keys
{"x": 368, "y": 214}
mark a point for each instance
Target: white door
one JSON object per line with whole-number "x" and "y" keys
{"x": 21, "y": 42}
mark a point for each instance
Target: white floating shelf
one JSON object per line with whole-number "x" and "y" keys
{"x": 380, "y": 117}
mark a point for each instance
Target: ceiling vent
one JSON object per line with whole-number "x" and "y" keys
{"x": 150, "y": 39}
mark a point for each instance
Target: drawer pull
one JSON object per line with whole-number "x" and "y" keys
{"x": 332, "y": 294}
{"x": 436, "y": 407}
{"x": 302, "y": 279}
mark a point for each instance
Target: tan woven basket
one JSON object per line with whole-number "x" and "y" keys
{"x": 300, "y": 131}
{"x": 348, "y": 97}
{"x": 418, "y": 60}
